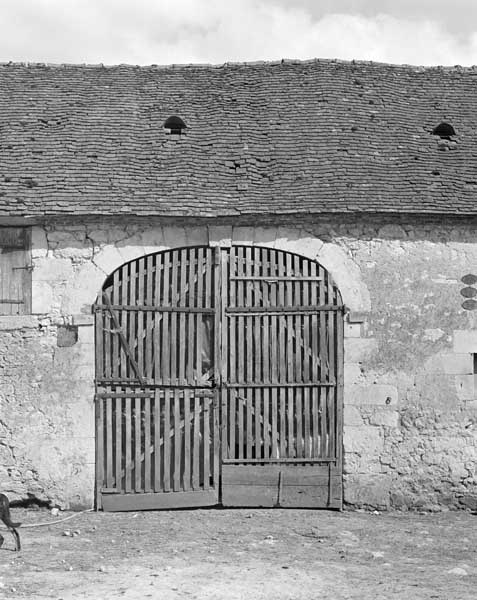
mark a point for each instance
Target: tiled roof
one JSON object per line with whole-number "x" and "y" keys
{"x": 263, "y": 138}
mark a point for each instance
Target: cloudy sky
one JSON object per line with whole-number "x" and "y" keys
{"x": 215, "y": 31}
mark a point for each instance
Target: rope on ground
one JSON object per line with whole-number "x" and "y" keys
{"x": 28, "y": 525}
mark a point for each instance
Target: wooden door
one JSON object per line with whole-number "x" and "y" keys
{"x": 156, "y": 398}
{"x": 281, "y": 381}
{"x": 219, "y": 365}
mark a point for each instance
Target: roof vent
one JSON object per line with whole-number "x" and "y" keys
{"x": 444, "y": 131}
{"x": 175, "y": 125}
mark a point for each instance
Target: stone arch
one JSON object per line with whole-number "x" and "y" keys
{"x": 82, "y": 291}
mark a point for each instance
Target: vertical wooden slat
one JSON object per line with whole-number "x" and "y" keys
{"x": 118, "y": 357}
{"x": 240, "y": 320}
{"x": 232, "y": 412}
{"x": 133, "y": 318}
{"x": 140, "y": 316}
{"x": 147, "y": 445}
{"x": 191, "y": 317}
{"x": 166, "y": 339}
{"x": 232, "y": 321}
{"x": 291, "y": 424}
{"x": 283, "y": 436}
{"x": 174, "y": 344}
{"x": 149, "y": 328}
{"x": 323, "y": 420}
{"x": 249, "y": 422}
{"x": 257, "y": 408}
{"x": 118, "y": 450}
{"x": 177, "y": 441}
{"x": 137, "y": 446}
{"x": 240, "y": 425}
{"x": 187, "y": 447}
{"x": 339, "y": 387}
{"x": 206, "y": 443}
{"x": 258, "y": 299}
{"x": 99, "y": 451}
{"x": 157, "y": 441}
{"x": 266, "y": 422}
{"x": 249, "y": 320}
{"x": 156, "y": 334}
{"x": 199, "y": 321}
{"x": 182, "y": 266}
{"x": 196, "y": 445}
{"x": 167, "y": 441}
{"x": 99, "y": 362}
{"x": 127, "y": 443}
{"x": 109, "y": 443}
{"x": 307, "y": 430}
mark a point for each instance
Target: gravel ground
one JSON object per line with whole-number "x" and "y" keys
{"x": 242, "y": 554}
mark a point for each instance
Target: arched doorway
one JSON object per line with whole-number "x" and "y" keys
{"x": 219, "y": 380}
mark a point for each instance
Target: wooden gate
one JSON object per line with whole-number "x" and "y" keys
{"x": 219, "y": 366}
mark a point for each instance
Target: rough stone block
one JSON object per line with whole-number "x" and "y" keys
{"x": 451, "y": 364}
{"x": 197, "y": 236}
{"x": 352, "y": 373}
{"x": 356, "y": 317}
{"x": 364, "y": 440}
{"x": 82, "y": 320}
{"x": 220, "y": 236}
{"x": 14, "y": 322}
{"x": 43, "y": 298}
{"x": 465, "y": 341}
{"x": 384, "y": 417}
{"x": 352, "y": 330}
{"x": 359, "y": 349}
{"x": 465, "y": 387}
{"x": 352, "y": 416}
{"x": 108, "y": 259}
{"x": 379, "y": 395}
{"x": 174, "y": 237}
{"x": 52, "y": 269}
{"x": 368, "y": 490}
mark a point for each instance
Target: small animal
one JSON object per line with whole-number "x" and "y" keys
{"x": 5, "y": 517}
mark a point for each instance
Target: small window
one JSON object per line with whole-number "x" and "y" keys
{"x": 175, "y": 125}
{"x": 444, "y": 131}
{"x": 15, "y": 269}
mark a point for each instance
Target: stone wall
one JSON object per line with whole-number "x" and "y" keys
{"x": 410, "y": 408}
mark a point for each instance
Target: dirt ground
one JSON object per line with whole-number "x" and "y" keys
{"x": 242, "y": 554}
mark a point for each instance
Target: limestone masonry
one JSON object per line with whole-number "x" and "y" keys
{"x": 289, "y": 156}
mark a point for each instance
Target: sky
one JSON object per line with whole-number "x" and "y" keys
{"x": 144, "y": 32}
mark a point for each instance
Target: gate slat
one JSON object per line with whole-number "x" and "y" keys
{"x": 127, "y": 443}
{"x": 137, "y": 445}
{"x": 166, "y": 351}
{"x": 182, "y": 353}
{"x": 157, "y": 442}
{"x": 266, "y": 422}
{"x": 140, "y": 316}
{"x": 147, "y": 445}
{"x": 132, "y": 338}
{"x": 232, "y": 395}
{"x": 109, "y": 443}
{"x": 100, "y": 448}
{"x": 249, "y": 423}
{"x": 177, "y": 442}
{"x": 167, "y": 441}
{"x": 148, "y": 369}
{"x": 199, "y": 317}
{"x": 118, "y": 442}
{"x": 258, "y": 290}
{"x": 259, "y": 432}
{"x": 187, "y": 449}
{"x": 191, "y": 318}
{"x": 196, "y": 443}
{"x": 206, "y": 443}
{"x": 173, "y": 342}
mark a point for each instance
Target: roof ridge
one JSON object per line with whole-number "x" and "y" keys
{"x": 278, "y": 62}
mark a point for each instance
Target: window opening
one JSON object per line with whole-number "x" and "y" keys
{"x": 175, "y": 125}
{"x": 444, "y": 131}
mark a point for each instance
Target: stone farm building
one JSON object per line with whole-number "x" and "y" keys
{"x": 247, "y": 284}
